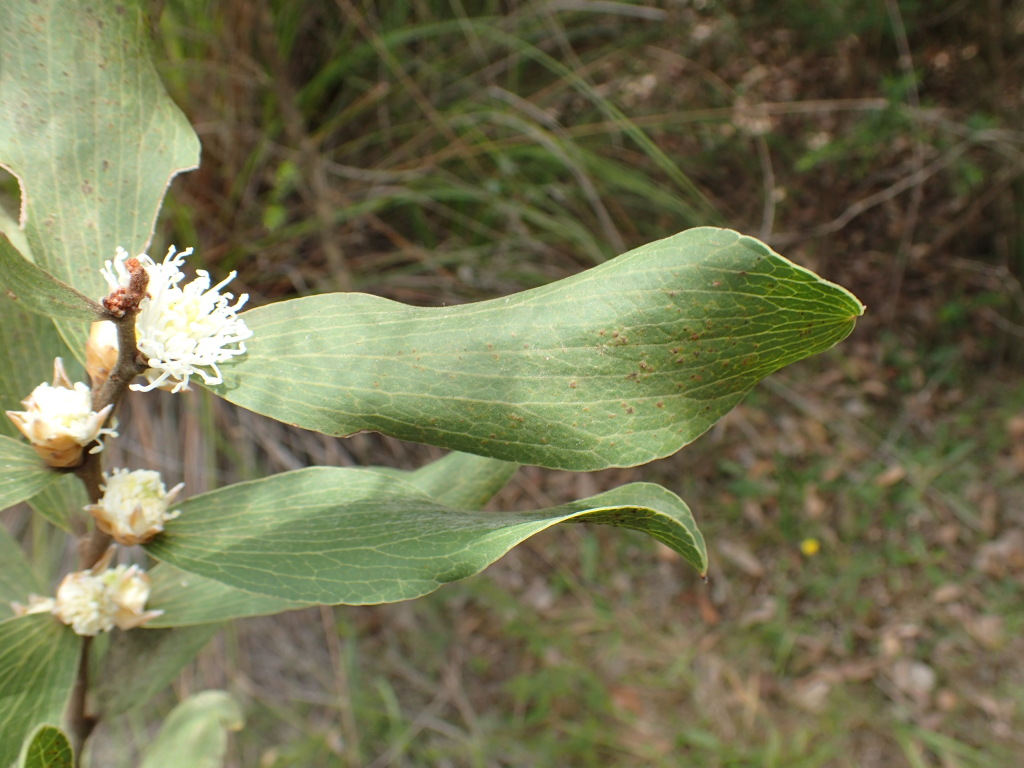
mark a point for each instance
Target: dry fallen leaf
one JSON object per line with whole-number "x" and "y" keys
{"x": 913, "y": 678}
{"x": 1003, "y": 556}
{"x": 947, "y": 593}
{"x": 890, "y": 476}
{"x": 988, "y": 631}
{"x": 811, "y": 693}
{"x": 814, "y": 505}
{"x": 740, "y": 555}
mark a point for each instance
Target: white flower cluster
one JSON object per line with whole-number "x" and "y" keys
{"x": 181, "y": 331}
{"x": 99, "y": 599}
{"x": 134, "y": 506}
{"x": 59, "y": 420}
{"x": 97, "y": 602}
{"x": 133, "y": 510}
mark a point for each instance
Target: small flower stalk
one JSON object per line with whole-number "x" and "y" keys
{"x": 59, "y": 421}
{"x": 135, "y": 506}
{"x": 182, "y": 331}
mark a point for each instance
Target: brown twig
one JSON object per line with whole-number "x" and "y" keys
{"x": 80, "y": 724}
{"x": 129, "y": 365}
{"x": 122, "y": 307}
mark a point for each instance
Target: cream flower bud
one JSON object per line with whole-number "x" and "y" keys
{"x": 59, "y": 421}
{"x": 83, "y": 604}
{"x": 134, "y": 505}
{"x": 101, "y": 351}
{"x": 182, "y": 332}
{"x": 91, "y": 602}
{"x": 128, "y": 589}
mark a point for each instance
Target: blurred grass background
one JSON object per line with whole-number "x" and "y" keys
{"x": 864, "y": 509}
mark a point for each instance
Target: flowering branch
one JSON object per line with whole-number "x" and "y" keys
{"x": 121, "y": 307}
{"x": 153, "y": 327}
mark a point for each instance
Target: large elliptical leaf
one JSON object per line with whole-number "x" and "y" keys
{"x": 61, "y": 501}
{"x": 38, "y": 656}
{"x": 38, "y": 291}
{"x": 457, "y": 480}
{"x": 188, "y": 600}
{"x": 28, "y": 344}
{"x": 22, "y": 472}
{"x": 616, "y": 366}
{"x": 90, "y": 133}
{"x": 195, "y": 732}
{"x": 340, "y": 535}
{"x": 138, "y": 665}
{"x": 17, "y": 579}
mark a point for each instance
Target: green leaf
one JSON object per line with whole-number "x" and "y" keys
{"x": 22, "y": 472}
{"x": 9, "y": 227}
{"x": 458, "y": 480}
{"x": 28, "y": 345}
{"x": 461, "y": 479}
{"x": 89, "y": 132}
{"x": 194, "y": 732}
{"x": 48, "y": 748}
{"x": 59, "y": 501}
{"x": 616, "y": 366}
{"x": 17, "y": 579}
{"x": 187, "y": 599}
{"x": 40, "y": 292}
{"x": 339, "y": 535}
{"x": 138, "y": 665}
{"x": 38, "y": 658}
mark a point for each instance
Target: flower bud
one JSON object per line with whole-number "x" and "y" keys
{"x": 82, "y": 604}
{"x": 59, "y": 421}
{"x": 91, "y": 602}
{"x": 134, "y": 506}
{"x": 128, "y": 589}
{"x": 101, "y": 352}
